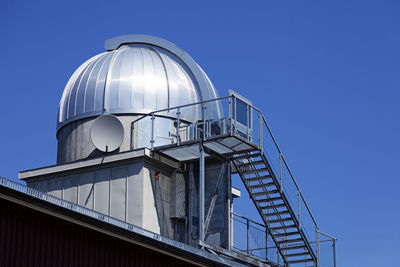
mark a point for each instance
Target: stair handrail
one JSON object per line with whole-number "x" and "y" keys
{"x": 287, "y": 167}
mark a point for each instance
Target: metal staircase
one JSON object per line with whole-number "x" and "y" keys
{"x": 265, "y": 190}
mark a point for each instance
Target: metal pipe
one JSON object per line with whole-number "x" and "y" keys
{"x": 298, "y": 208}
{"x": 261, "y": 145}
{"x": 248, "y": 237}
{"x": 334, "y": 252}
{"x": 178, "y": 125}
{"x": 201, "y": 193}
{"x": 152, "y": 132}
{"x": 182, "y": 106}
{"x": 280, "y": 171}
{"x": 317, "y": 234}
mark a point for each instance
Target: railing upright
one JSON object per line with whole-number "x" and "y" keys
{"x": 152, "y": 132}
{"x": 178, "y": 126}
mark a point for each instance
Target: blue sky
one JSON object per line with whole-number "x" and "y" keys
{"x": 325, "y": 74}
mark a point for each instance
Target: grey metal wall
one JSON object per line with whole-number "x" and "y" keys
{"x": 128, "y": 192}
{"x": 74, "y": 141}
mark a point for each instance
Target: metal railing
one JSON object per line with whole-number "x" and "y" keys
{"x": 207, "y": 126}
{"x": 251, "y": 238}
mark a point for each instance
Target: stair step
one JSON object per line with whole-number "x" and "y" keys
{"x": 283, "y": 227}
{"x": 256, "y": 194}
{"x": 247, "y": 156}
{"x": 280, "y": 220}
{"x": 293, "y": 247}
{"x": 261, "y": 185}
{"x": 298, "y": 254}
{"x": 252, "y": 179}
{"x": 291, "y": 240}
{"x": 256, "y": 171}
{"x": 253, "y": 163}
{"x": 273, "y": 206}
{"x": 276, "y": 213}
{"x": 299, "y": 261}
{"x": 287, "y": 234}
{"x": 269, "y": 199}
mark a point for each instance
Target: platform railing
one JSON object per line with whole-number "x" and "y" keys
{"x": 251, "y": 127}
{"x": 251, "y": 238}
{"x": 263, "y": 138}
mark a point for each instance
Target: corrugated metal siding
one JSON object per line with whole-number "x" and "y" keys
{"x": 31, "y": 238}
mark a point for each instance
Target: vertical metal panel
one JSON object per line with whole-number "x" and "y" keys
{"x": 118, "y": 183}
{"x": 101, "y": 191}
{"x": 55, "y": 187}
{"x": 70, "y": 190}
{"x": 135, "y": 194}
{"x": 86, "y": 189}
{"x": 42, "y": 186}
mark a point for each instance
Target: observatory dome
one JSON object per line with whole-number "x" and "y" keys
{"x": 137, "y": 75}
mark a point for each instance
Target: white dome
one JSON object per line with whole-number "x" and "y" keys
{"x": 138, "y": 75}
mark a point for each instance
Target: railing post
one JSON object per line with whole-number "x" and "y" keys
{"x": 334, "y": 252}
{"x": 298, "y": 208}
{"x": 203, "y": 121}
{"x": 178, "y": 126}
{"x": 317, "y": 235}
{"x": 230, "y": 114}
{"x": 261, "y": 132}
{"x": 152, "y": 132}
{"x": 280, "y": 170}
{"x": 248, "y": 238}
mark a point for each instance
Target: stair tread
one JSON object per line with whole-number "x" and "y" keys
{"x": 287, "y": 234}
{"x": 253, "y": 163}
{"x": 255, "y": 171}
{"x": 276, "y": 213}
{"x": 291, "y": 240}
{"x": 269, "y": 199}
{"x": 293, "y": 247}
{"x": 283, "y": 227}
{"x": 279, "y": 220}
{"x": 258, "y": 178}
{"x": 265, "y": 192}
{"x": 297, "y": 254}
{"x": 261, "y": 185}
{"x": 281, "y": 205}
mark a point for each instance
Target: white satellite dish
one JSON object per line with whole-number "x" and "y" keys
{"x": 107, "y": 133}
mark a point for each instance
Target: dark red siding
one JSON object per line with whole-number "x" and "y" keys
{"x": 32, "y": 238}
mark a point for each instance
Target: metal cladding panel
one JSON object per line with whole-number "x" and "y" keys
{"x": 136, "y": 79}
{"x": 102, "y": 191}
{"x": 55, "y": 187}
{"x": 32, "y": 238}
{"x": 70, "y": 190}
{"x": 134, "y": 209}
{"x": 118, "y": 192}
{"x": 86, "y": 189}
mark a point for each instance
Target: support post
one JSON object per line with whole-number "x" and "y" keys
{"x": 317, "y": 234}
{"x": 280, "y": 170}
{"x": 178, "y": 126}
{"x": 201, "y": 193}
{"x": 229, "y": 207}
{"x": 248, "y": 237}
{"x": 260, "y": 131}
{"x": 334, "y": 252}
{"x": 298, "y": 208}
{"x": 152, "y": 132}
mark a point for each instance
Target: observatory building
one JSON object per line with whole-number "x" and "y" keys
{"x": 147, "y": 151}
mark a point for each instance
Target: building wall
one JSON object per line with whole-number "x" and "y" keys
{"x": 129, "y": 192}
{"x": 32, "y": 238}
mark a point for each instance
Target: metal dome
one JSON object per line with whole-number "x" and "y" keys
{"x": 138, "y": 74}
